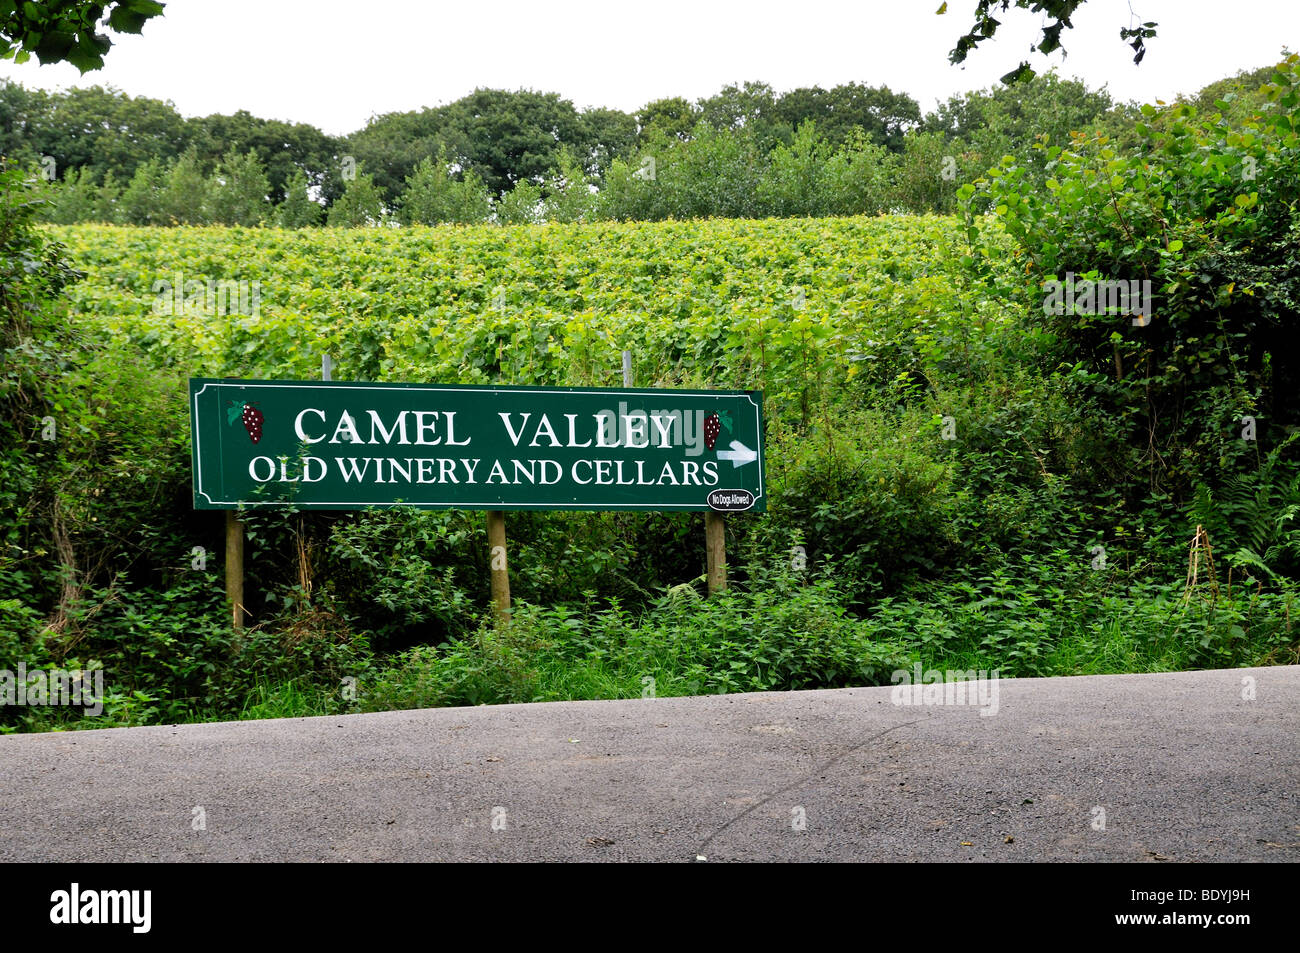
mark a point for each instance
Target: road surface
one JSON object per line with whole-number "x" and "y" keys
{"x": 1156, "y": 768}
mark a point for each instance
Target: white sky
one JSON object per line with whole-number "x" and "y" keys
{"x": 334, "y": 63}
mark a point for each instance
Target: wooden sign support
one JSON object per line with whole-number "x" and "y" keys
{"x": 235, "y": 567}
{"x": 496, "y": 526}
{"x": 715, "y": 524}
{"x": 715, "y": 542}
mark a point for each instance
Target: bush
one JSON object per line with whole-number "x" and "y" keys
{"x": 781, "y": 631}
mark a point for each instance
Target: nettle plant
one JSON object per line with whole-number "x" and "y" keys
{"x": 1205, "y": 209}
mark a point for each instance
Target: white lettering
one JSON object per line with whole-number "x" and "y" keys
{"x": 297, "y": 425}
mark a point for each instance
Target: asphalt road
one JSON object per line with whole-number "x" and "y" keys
{"x": 1184, "y": 768}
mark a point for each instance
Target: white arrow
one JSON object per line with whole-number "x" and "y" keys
{"x": 739, "y": 454}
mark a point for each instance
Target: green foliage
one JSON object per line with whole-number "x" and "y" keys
{"x": 983, "y": 126}
{"x": 927, "y": 174}
{"x": 1053, "y": 615}
{"x": 873, "y": 151}
{"x": 569, "y": 195}
{"x": 408, "y": 575}
{"x": 298, "y": 210}
{"x": 714, "y": 173}
{"x": 142, "y": 199}
{"x": 186, "y": 197}
{"x": 81, "y": 198}
{"x": 794, "y": 183}
{"x": 858, "y": 178}
{"x": 434, "y": 195}
{"x": 239, "y": 191}
{"x": 869, "y": 494}
{"x": 283, "y": 149}
{"x": 951, "y": 454}
{"x": 663, "y": 120}
{"x": 851, "y": 111}
{"x": 1206, "y": 212}
{"x": 1251, "y": 518}
{"x": 783, "y": 632}
{"x": 1055, "y": 15}
{"x": 65, "y": 31}
{"x": 360, "y": 205}
{"x": 522, "y": 205}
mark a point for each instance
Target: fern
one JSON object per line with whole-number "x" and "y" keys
{"x": 1253, "y": 516}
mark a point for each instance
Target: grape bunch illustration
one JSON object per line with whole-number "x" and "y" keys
{"x": 713, "y": 425}
{"x": 249, "y": 414}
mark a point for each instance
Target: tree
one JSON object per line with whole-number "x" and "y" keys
{"x": 610, "y": 134}
{"x": 1244, "y": 93}
{"x": 507, "y": 136}
{"x": 569, "y": 195}
{"x": 1202, "y": 221}
{"x": 67, "y": 30}
{"x": 75, "y": 199}
{"x": 926, "y": 177}
{"x": 1014, "y": 119}
{"x": 500, "y": 135}
{"x": 885, "y": 116}
{"x": 522, "y": 205}
{"x": 794, "y": 182}
{"x": 283, "y": 148}
{"x": 751, "y": 106}
{"x": 184, "y": 196}
{"x": 433, "y": 195}
{"x": 239, "y": 190}
{"x": 1056, "y": 19}
{"x": 391, "y": 146}
{"x": 713, "y": 174}
{"x": 107, "y": 131}
{"x": 21, "y": 110}
{"x": 141, "y": 202}
{"x": 107, "y": 206}
{"x": 674, "y": 118}
{"x": 361, "y": 203}
{"x": 858, "y": 177}
{"x": 298, "y": 210}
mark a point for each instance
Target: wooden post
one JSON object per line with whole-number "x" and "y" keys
{"x": 235, "y": 567}
{"x": 715, "y": 542}
{"x": 627, "y": 368}
{"x": 496, "y": 521}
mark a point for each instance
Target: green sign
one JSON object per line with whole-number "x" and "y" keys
{"x": 349, "y": 445}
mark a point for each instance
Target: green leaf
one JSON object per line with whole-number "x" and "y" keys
{"x": 54, "y": 46}
{"x": 1021, "y": 72}
{"x": 127, "y": 21}
{"x": 147, "y": 8}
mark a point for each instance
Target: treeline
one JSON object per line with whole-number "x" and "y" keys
{"x": 524, "y": 156}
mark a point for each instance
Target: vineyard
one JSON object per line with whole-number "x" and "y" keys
{"x": 948, "y": 482}
{"x": 795, "y": 307}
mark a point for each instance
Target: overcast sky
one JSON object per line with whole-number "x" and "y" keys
{"x": 335, "y": 63}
